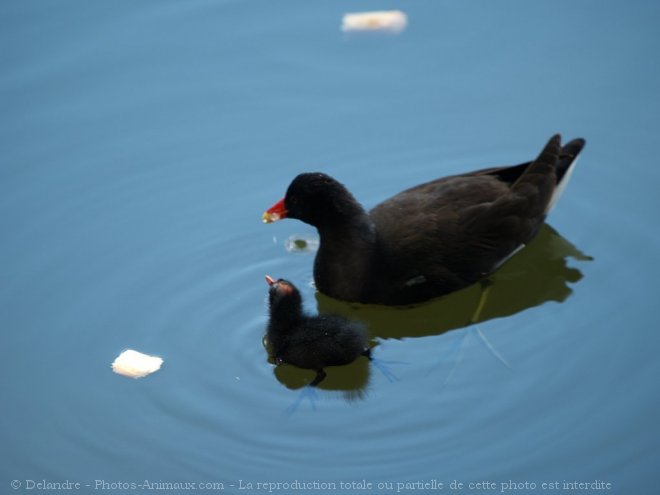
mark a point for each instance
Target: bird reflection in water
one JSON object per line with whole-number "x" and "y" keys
{"x": 538, "y": 274}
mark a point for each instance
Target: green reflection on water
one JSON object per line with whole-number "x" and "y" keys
{"x": 537, "y": 274}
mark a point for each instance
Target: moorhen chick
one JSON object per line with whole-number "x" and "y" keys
{"x": 310, "y": 342}
{"x": 431, "y": 239}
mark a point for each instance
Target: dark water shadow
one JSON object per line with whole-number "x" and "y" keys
{"x": 351, "y": 381}
{"x": 538, "y": 274}
{"x": 354, "y": 376}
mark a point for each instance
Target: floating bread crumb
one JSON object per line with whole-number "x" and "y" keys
{"x": 135, "y": 364}
{"x": 393, "y": 21}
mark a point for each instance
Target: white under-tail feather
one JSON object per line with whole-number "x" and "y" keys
{"x": 561, "y": 187}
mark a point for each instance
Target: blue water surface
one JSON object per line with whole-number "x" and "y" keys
{"x": 140, "y": 142}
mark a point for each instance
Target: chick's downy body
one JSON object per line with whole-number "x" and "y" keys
{"x": 310, "y": 342}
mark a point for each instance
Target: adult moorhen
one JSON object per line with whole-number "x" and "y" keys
{"x": 310, "y": 342}
{"x": 431, "y": 239}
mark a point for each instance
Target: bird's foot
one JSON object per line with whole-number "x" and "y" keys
{"x": 384, "y": 369}
{"x": 308, "y": 393}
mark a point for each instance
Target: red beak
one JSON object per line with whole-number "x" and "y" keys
{"x": 275, "y": 212}
{"x": 270, "y": 280}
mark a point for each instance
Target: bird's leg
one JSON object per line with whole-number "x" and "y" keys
{"x": 309, "y": 393}
{"x": 485, "y": 284}
{"x": 320, "y": 376}
{"x": 380, "y": 364}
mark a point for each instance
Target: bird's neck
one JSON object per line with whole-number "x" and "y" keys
{"x": 285, "y": 315}
{"x": 346, "y": 252}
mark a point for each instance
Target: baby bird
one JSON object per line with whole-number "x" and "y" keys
{"x": 310, "y": 342}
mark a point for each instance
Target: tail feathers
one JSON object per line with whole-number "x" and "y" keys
{"x": 545, "y": 179}
{"x": 572, "y": 148}
{"x": 568, "y": 155}
{"x": 538, "y": 182}
{"x": 549, "y": 155}
{"x": 567, "y": 161}
{"x": 544, "y": 165}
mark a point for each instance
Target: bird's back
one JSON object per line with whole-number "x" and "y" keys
{"x": 448, "y": 233}
{"x": 326, "y": 340}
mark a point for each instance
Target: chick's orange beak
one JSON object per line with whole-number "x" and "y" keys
{"x": 275, "y": 212}
{"x": 270, "y": 280}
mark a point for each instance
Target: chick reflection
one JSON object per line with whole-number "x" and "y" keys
{"x": 537, "y": 274}
{"x": 313, "y": 342}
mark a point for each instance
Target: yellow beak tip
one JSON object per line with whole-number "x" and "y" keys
{"x": 269, "y": 217}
